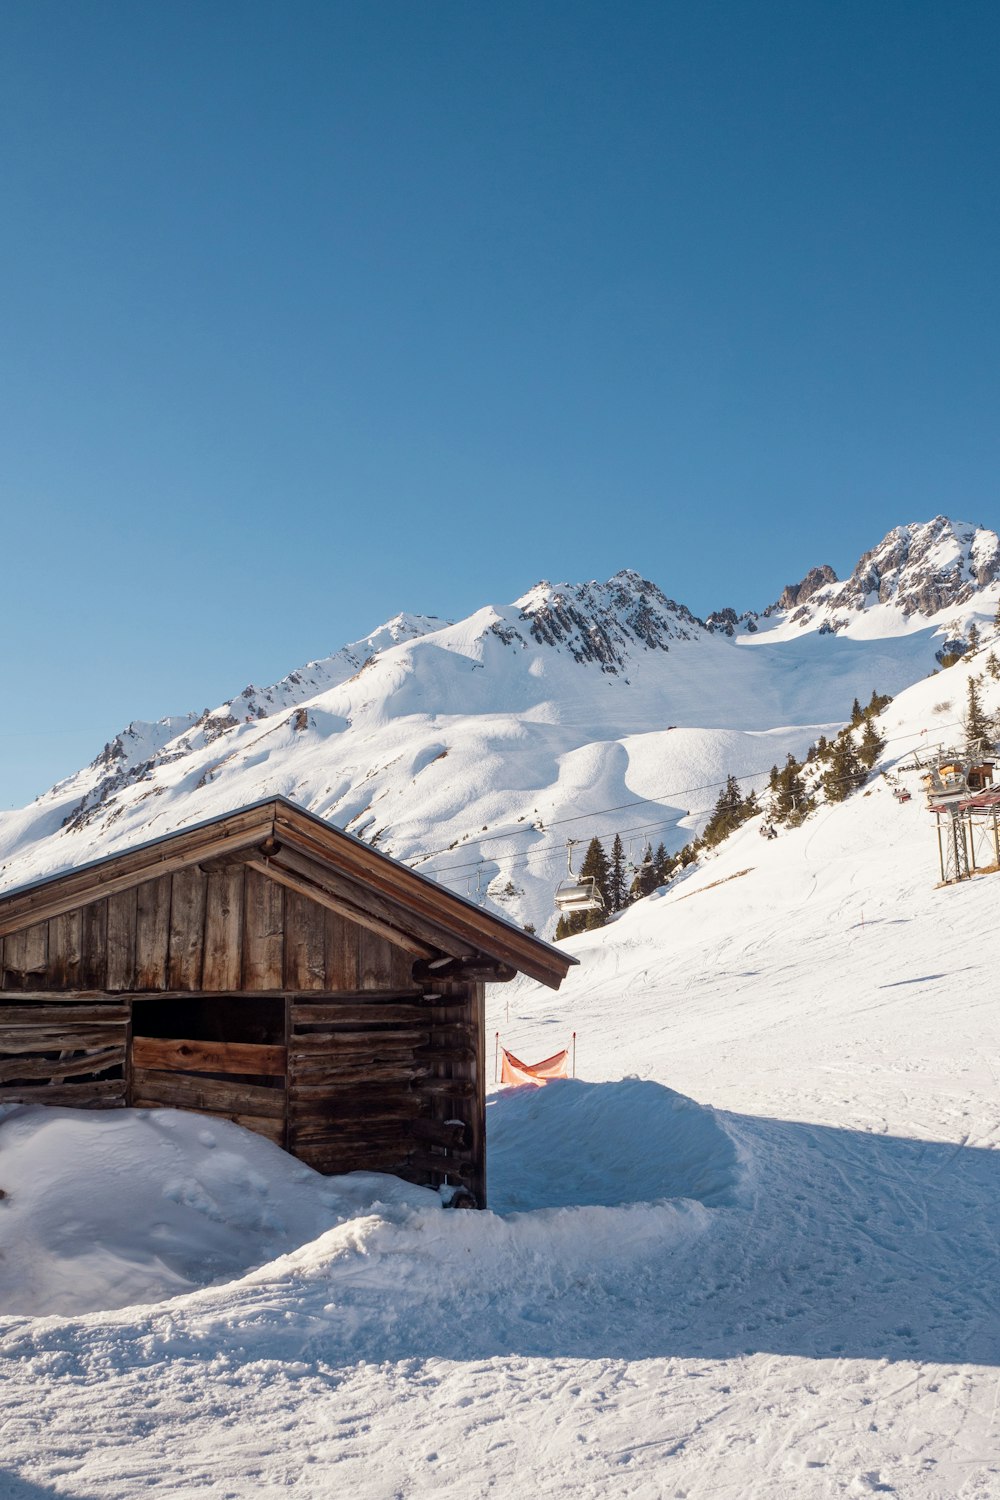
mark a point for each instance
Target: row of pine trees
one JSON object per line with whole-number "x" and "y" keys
{"x": 843, "y": 764}
{"x": 838, "y": 767}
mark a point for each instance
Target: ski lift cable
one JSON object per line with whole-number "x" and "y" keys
{"x": 521, "y": 856}
{"x": 707, "y": 786}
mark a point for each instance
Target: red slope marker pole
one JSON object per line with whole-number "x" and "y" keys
{"x": 574, "y": 1054}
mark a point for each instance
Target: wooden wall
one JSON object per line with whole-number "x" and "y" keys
{"x": 388, "y": 1084}
{"x": 225, "y": 930}
{"x": 224, "y": 993}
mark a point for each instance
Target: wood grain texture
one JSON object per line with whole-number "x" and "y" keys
{"x": 239, "y": 1058}
{"x": 187, "y": 929}
{"x": 121, "y": 940}
{"x": 152, "y": 933}
{"x": 56, "y": 1070}
{"x": 223, "y": 929}
{"x": 65, "y": 950}
{"x": 181, "y": 1091}
{"x": 263, "y": 933}
{"x": 305, "y": 943}
{"x": 94, "y": 945}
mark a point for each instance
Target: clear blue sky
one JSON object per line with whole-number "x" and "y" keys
{"x": 313, "y": 312}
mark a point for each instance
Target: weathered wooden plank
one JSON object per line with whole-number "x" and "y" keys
{"x": 277, "y": 871}
{"x": 332, "y": 1041}
{"x": 451, "y": 1133}
{"x": 152, "y": 933}
{"x": 365, "y": 902}
{"x": 18, "y": 1069}
{"x": 180, "y": 1091}
{"x": 369, "y": 1015}
{"x": 121, "y": 940}
{"x": 63, "y": 970}
{"x": 206, "y": 1057}
{"x": 94, "y": 945}
{"x": 449, "y": 1088}
{"x": 305, "y": 943}
{"x": 364, "y": 1098}
{"x": 342, "y": 938}
{"x": 102, "y": 1094}
{"x": 335, "y": 1076}
{"x": 375, "y": 965}
{"x": 237, "y": 831}
{"x": 37, "y": 1039}
{"x": 334, "y": 1162}
{"x": 59, "y": 1015}
{"x": 451, "y": 1165}
{"x": 315, "y": 1128}
{"x": 187, "y": 929}
{"x": 224, "y": 929}
{"x": 263, "y": 932}
{"x": 26, "y": 952}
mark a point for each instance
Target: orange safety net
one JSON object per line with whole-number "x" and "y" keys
{"x": 513, "y": 1070}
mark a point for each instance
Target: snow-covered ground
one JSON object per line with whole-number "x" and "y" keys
{"x": 752, "y": 1251}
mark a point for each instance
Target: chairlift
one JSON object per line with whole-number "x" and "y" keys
{"x": 577, "y": 893}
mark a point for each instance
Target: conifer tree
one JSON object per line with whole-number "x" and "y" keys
{"x": 727, "y": 815}
{"x": 595, "y": 867}
{"x": 857, "y": 714}
{"x": 617, "y": 881}
{"x": 993, "y": 666}
{"x": 845, "y": 771}
{"x": 973, "y": 637}
{"x": 871, "y": 747}
{"x": 662, "y": 864}
{"x": 791, "y": 802}
{"x": 977, "y": 725}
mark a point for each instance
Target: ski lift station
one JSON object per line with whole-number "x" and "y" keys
{"x": 270, "y": 969}
{"x": 967, "y": 813}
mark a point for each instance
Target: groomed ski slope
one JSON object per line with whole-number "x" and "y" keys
{"x": 790, "y": 1294}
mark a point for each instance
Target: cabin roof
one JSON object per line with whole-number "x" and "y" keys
{"x": 303, "y": 852}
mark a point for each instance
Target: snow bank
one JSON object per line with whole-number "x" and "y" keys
{"x": 575, "y": 1143}
{"x": 106, "y": 1208}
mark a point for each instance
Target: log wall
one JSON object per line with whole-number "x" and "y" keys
{"x": 75, "y": 1055}
{"x": 225, "y": 992}
{"x": 230, "y": 928}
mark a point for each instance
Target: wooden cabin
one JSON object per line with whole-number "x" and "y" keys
{"x": 267, "y": 968}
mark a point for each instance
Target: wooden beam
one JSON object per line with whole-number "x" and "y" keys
{"x": 303, "y": 887}
{"x": 361, "y": 898}
{"x": 489, "y": 970}
{"x": 80, "y": 887}
{"x": 421, "y": 898}
{"x": 180, "y": 1091}
{"x": 207, "y": 1057}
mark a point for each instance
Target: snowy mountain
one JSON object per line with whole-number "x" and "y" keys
{"x": 915, "y": 574}
{"x": 476, "y": 748}
{"x": 749, "y": 1251}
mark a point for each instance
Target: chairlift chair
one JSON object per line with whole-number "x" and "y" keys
{"x": 577, "y": 894}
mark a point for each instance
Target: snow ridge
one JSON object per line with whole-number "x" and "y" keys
{"x": 475, "y": 737}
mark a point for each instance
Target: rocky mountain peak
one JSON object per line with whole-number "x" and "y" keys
{"x": 799, "y": 593}
{"x": 917, "y": 569}
{"x": 603, "y": 622}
